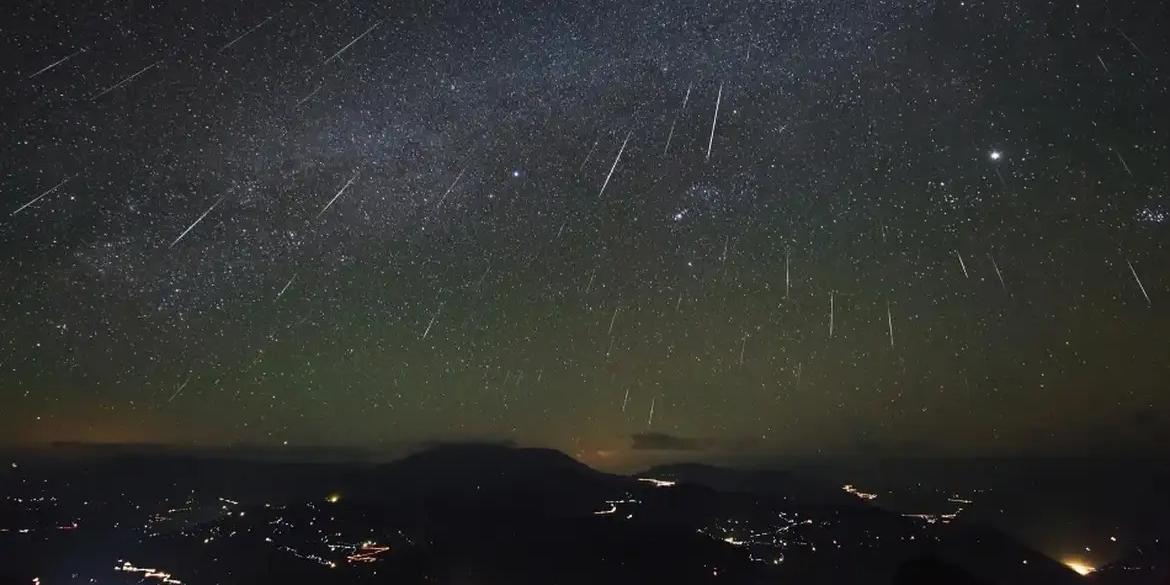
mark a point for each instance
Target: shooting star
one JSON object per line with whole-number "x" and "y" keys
{"x": 484, "y": 277}
{"x": 650, "y": 421}
{"x": 246, "y": 33}
{"x": 787, "y": 278}
{"x": 890, "y": 323}
{"x": 310, "y": 96}
{"x": 451, "y": 188}
{"x": 1102, "y": 62}
{"x": 615, "y": 164}
{"x": 127, "y": 80}
{"x": 43, "y": 195}
{"x": 686, "y": 98}
{"x": 962, "y": 264}
{"x": 588, "y": 156}
{"x": 286, "y": 285}
{"x": 1123, "y": 163}
{"x": 1002, "y": 181}
{"x": 58, "y": 62}
{"x": 831, "y": 311}
{"x": 359, "y": 37}
{"x": 626, "y": 400}
{"x": 343, "y": 188}
{"x": 611, "y": 321}
{"x": 1132, "y": 44}
{"x": 714, "y": 121}
{"x": 1139, "y": 282}
{"x": 180, "y": 389}
{"x": 192, "y": 226}
{"x": 998, "y": 274}
{"x": 432, "y": 323}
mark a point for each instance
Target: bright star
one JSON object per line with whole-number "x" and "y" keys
{"x": 996, "y": 155}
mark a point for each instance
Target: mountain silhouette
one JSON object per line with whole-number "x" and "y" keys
{"x": 482, "y": 513}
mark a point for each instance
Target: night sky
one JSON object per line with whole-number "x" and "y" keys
{"x": 740, "y": 228}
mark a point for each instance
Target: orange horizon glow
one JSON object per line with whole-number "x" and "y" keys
{"x": 1079, "y": 566}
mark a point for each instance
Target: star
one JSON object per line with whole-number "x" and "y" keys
{"x": 223, "y": 217}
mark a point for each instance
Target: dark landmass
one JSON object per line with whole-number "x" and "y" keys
{"x": 481, "y": 514}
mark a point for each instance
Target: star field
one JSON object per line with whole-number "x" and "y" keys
{"x": 797, "y": 227}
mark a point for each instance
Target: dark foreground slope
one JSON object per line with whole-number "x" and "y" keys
{"x": 469, "y": 514}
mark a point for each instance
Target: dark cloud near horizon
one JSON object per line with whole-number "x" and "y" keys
{"x": 668, "y": 442}
{"x": 665, "y": 442}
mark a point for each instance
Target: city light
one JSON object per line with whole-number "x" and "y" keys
{"x": 1079, "y": 566}
{"x": 849, "y": 489}
{"x": 657, "y": 482}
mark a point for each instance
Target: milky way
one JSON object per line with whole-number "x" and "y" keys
{"x": 795, "y": 227}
